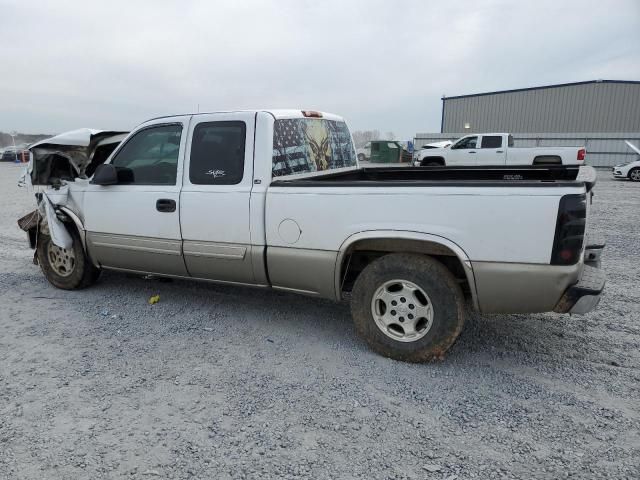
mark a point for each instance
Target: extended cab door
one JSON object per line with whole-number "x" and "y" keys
{"x": 463, "y": 152}
{"x": 492, "y": 151}
{"x": 214, "y": 203}
{"x": 134, "y": 225}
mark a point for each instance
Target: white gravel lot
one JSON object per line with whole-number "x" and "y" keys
{"x": 221, "y": 382}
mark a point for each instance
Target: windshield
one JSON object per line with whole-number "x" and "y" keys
{"x": 302, "y": 145}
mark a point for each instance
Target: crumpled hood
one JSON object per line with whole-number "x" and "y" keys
{"x": 67, "y": 156}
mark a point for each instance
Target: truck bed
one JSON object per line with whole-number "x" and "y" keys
{"x": 519, "y": 176}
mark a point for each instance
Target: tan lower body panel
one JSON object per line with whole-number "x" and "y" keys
{"x": 521, "y": 287}
{"x": 304, "y": 271}
{"x": 219, "y": 261}
{"x": 151, "y": 255}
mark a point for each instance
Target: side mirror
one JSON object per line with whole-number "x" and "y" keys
{"x": 106, "y": 174}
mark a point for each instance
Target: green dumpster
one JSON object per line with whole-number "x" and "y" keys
{"x": 386, "y": 151}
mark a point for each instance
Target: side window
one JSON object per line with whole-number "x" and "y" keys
{"x": 510, "y": 140}
{"x": 465, "y": 143}
{"x": 491, "y": 141}
{"x": 150, "y": 157}
{"x": 217, "y": 153}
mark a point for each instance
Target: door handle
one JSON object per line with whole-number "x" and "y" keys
{"x": 472, "y": 151}
{"x": 165, "y": 205}
{"x": 499, "y": 151}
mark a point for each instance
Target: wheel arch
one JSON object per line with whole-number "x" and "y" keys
{"x": 82, "y": 233}
{"x": 394, "y": 241}
{"x": 438, "y": 159}
{"x": 77, "y": 223}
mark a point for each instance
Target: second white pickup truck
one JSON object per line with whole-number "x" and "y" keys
{"x": 276, "y": 199}
{"x": 496, "y": 149}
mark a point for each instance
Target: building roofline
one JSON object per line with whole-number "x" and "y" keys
{"x": 543, "y": 87}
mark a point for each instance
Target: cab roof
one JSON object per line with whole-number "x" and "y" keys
{"x": 278, "y": 114}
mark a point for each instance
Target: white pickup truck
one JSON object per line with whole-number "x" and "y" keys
{"x": 275, "y": 199}
{"x": 496, "y": 149}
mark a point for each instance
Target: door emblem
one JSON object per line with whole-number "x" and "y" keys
{"x": 216, "y": 173}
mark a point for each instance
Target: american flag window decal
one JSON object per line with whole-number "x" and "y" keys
{"x": 303, "y": 145}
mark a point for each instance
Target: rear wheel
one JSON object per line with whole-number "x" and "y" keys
{"x": 634, "y": 175}
{"x": 408, "y": 307}
{"x": 68, "y": 269}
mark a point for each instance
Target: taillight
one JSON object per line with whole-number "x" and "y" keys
{"x": 570, "y": 227}
{"x": 581, "y": 153}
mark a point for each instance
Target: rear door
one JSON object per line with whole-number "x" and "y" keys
{"x": 215, "y": 198}
{"x": 134, "y": 225}
{"x": 491, "y": 151}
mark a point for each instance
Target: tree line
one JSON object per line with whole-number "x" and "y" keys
{"x": 361, "y": 137}
{"x": 20, "y": 138}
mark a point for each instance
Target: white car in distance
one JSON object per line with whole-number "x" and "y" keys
{"x": 630, "y": 170}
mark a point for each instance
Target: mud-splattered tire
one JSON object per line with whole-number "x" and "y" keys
{"x": 429, "y": 290}
{"x": 66, "y": 269}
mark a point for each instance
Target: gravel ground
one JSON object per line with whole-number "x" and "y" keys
{"x": 221, "y": 382}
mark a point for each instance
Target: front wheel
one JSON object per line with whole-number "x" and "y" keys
{"x": 68, "y": 269}
{"x": 634, "y": 175}
{"x": 361, "y": 157}
{"x": 408, "y": 307}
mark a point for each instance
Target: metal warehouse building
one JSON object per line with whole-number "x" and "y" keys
{"x": 598, "y": 114}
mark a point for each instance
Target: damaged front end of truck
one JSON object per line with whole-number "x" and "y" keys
{"x": 59, "y": 169}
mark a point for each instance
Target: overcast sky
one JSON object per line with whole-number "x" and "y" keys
{"x": 381, "y": 64}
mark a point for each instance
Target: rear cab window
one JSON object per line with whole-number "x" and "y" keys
{"x": 308, "y": 145}
{"x": 491, "y": 141}
{"x": 217, "y": 153}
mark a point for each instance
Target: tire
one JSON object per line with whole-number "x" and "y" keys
{"x": 361, "y": 157}
{"x": 432, "y": 162}
{"x": 443, "y": 294}
{"x": 80, "y": 272}
{"x": 634, "y": 175}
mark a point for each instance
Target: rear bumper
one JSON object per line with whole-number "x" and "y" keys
{"x": 585, "y": 295}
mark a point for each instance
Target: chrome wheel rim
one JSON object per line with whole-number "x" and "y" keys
{"x": 62, "y": 261}
{"x": 402, "y": 310}
{"x": 635, "y": 175}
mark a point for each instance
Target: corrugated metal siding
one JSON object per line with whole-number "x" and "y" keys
{"x": 590, "y": 107}
{"x": 603, "y": 149}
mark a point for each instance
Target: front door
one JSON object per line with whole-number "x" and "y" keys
{"x": 135, "y": 225}
{"x": 463, "y": 152}
{"x": 216, "y": 192}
